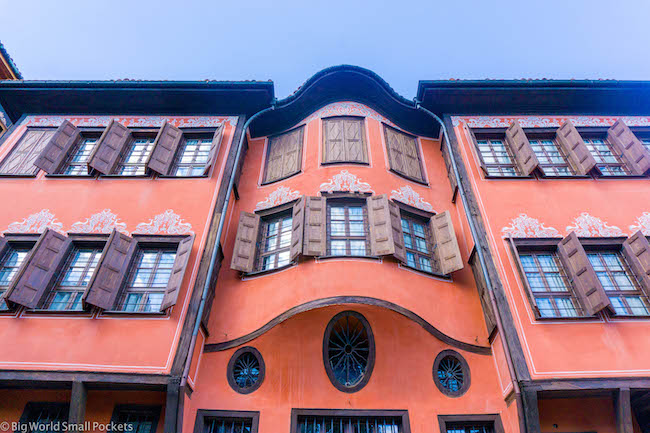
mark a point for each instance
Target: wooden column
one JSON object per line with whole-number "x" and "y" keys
{"x": 77, "y": 403}
{"x": 623, "y": 407}
{"x": 530, "y": 411}
{"x": 173, "y": 408}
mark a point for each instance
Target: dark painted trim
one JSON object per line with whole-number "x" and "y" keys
{"x": 342, "y": 300}
{"x": 443, "y": 420}
{"x": 587, "y": 384}
{"x": 78, "y": 399}
{"x": 64, "y": 379}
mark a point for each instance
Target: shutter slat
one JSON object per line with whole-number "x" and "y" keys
{"x": 446, "y": 246}
{"x": 403, "y": 154}
{"x": 315, "y": 233}
{"x": 398, "y": 234}
{"x": 39, "y": 269}
{"x": 583, "y": 277}
{"x": 214, "y": 149}
{"x": 355, "y": 146}
{"x": 58, "y": 148}
{"x": 298, "y": 228}
{"x": 636, "y": 250}
{"x": 284, "y": 155}
{"x": 164, "y": 149}
{"x": 243, "y": 255}
{"x": 386, "y": 237}
{"x": 112, "y": 269}
{"x": 633, "y": 152}
{"x": 571, "y": 142}
{"x": 183, "y": 253}
{"x": 333, "y": 149}
{"x": 525, "y": 156}
{"x": 109, "y": 147}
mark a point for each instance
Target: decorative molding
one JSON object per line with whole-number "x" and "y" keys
{"x": 347, "y": 109}
{"x": 132, "y": 121}
{"x": 102, "y": 222}
{"x": 345, "y": 181}
{"x": 642, "y": 223}
{"x": 586, "y": 225}
{"x": 524, "y": 226}
{"x": 36, "y": 223}
{"x": 547, "y": 121}
{"x": 168, "y": 223}
{"x": 408, "y": 196}
{"x": 280, "y": 196}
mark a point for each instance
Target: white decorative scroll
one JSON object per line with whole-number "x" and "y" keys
{"x": 280, "y": 196}
{"x": 345, "y": 181}
{"x": 642, "y": 223}
{"x": 167, "y": 223}
{"x": 524, "y": 226}
{"x": 36, "y": 223}
{"x": 408, "y": 196}
{"x": 547, "y": 121}
{"x": 102, "y": 222}
{"x": 132, "y": 121}
{"x": 347, "y": 109}
{"x": 590, "y": 226}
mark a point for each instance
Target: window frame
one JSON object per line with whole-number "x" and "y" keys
{"x": 549, "y": 134}
{"x": 429, "y": 239}
{"x": 267, "y": 153}
{"x": 33, "y": 406}
{"x": 467, "y": 376}
{"x": 364, "y": 142}
{"x": 136, "y": 133}
{"x": 260, "y": 252}
{"x": 418, "y": 151}
{"x": 495, "y": 419}
{"x": 204, "y": 415}
{"x": 596, "y": 133}
{"x": 85, "y": 133}
{"x": 480, "y": 134}
{"x": 23, "y": 241}
{"x": 297, "y": 413}
{"x": 190, "y": 134}
{"x": 153, "y": 410}
{"x": 347, "y": 200}
{"x": 14, "y": 148}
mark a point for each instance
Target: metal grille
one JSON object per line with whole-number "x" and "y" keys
{"x": 497, "y": 158}
{"x": 135, "y": 159}
{"x": 450, "y": 374}
{"x": 148, "y": 280}
{"x": 192, "y": 157}
{"x": 70, "y": 287}
{"x": 551, "y": 158}
{"x": 9, "y": 264}
{"x": 228, "y": 425}
{"x": 607, "y": 161}
{"x": 354, "y": 424}
{"x": 275, "y": 242}
{"x": 348, "y": 350}
{"x": 45, "y": 417}
{"x": 137, "y": 420}
{"x": 470, "y": 427}
{"x": 417, "y": 240}
{"x": 77, "y": 164}
{"x": 347, "y": 229}
{"x": 246, "y": 370}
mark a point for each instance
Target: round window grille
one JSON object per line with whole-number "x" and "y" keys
{"x": 451, "y": 373}
{"x": 246, "y": 370}
{"x": 349, "y": 351}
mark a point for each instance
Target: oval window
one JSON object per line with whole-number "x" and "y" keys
{"x": 349, "y": 351}
{"x": 451, "y": 373}
{"x": 246, "y": 370}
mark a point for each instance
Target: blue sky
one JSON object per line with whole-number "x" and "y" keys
{"x": 288, "y": 41}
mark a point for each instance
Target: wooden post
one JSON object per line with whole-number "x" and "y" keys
{"x": 623, "y": 407}
{"x": 530, "y": 412}
{"x": 77, "y": 403}
{"x": 173, "y": 414}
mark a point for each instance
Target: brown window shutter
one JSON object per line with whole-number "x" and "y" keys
{"x": 634, "y": 153}
{"x": 446, "y": 245}
{"x": 37, "y": 272}
{"x": 450, "y": 173}
{"x": 178, "y": 271}
{"x": 58, "y": 148}
{"x": 403, "y": 154}
{"x": 214, "y": 149}
{"x": 111, "y": 271}
{"x": 109, "y": 147}
{"x": 355, "y": 145}
{"x": 569, "y": 138}
{"x": 484, "y": 294}
{"x": 298, "y": 228}
{"x": 522, "y": 150}
{"x": 284, "y": 155}
{"x": 395, "y": 152}
{"x": 386, "y": 237}
{"x": 205, "y": 319}
{"x": 23, "y": 155}
{"x": 636, "y": 250}
{"x": 164, "y": 149}
{"x": 243, "y": 255}
{"x": 334, "y": 140}
{"x": 315, "y": 236}
{"x": 582, "y": 274}
{"x": 3, "y": 246}
{"x": 293, "y": 152}
{"x": 398, "y": 235}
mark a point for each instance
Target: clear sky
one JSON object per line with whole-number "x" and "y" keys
{"x": 288, "y": 41}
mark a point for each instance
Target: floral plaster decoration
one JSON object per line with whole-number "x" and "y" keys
{"x": 527, "y": 227}
{"x": 132, "y": 121}
{"x": 280, "y": 196}
{"x": 36, "y": 223}
{"x": 347, "y": 109}
{"x": 547, "y": 121}
{"x": 642, "y": 223}
{"x": 167, "y": 223}
{"x": 408, "y": 196}
{"x": 102, "y": 222}
{"x": 590, "y": 226}
{"x": 345, "y": 181}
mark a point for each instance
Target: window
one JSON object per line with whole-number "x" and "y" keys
{"x": 275, "y": 242}
{"x": 77, "y": 163}
{"x": 137, "y": 418}
{"x": 344, "y": 140}
{"x": 191, "y": 157}
{"x": 147, "y": 281}
{"x": 284, "y": 155}
{"x": 619, "y": 283}
{"x": 42, "y": 417}
{"x": 136, "y": 155}
{"x": 607, "y": 161}
{"x": 347, "y": 223}
{"x": 221, "y": 421}
{"x": 418, "y": 242}
{"x": 10, "y": 262}
{"x": 549, "y": 285}
{"x": 20, "y": 160}
{"x": 496, "y": 157}
{"x": 246, "y": 370}
{"x": 451, "y": 373}
{"x": 551, "y": 158}
{"x": 489, "y": 423}
{"x": 403, "y": 154}
{"x": 470, "y": 427}
{"x": 349, "y": 421}
{"x": 646, "y": 143}
{"x": 71, "y": 284}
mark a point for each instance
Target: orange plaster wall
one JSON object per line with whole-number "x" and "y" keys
{"x": 592, "y": 347}
{"x": 104, "y": 343}
{"x": 577, "y": 415}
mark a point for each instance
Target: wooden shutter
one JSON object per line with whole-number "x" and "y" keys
{"x": 178, "y": 271}
{"x": 569, "y": 138}
{"x": 298, "y": 228}
{"x": 164, "y": 149}
{"x": 334, "y": 140}
{"x": 484, "y": 294}
{"x": 450, "y": 172}
{"x": 112, "y": 269}
{"x": 39, "y": 269}
{"x": 23, "y": 155}
{"x": 214, "y": 149}
{"x": 284, "y": 155}
{"x": 403, "y": 154}
{"x": 636, "y": 250}
{"x": 243, "y": 255}
{"x": 386, "y": 237}
{"x": 58, "y": 148}
{"x": 3, "y": 246}
{"x": 446, "y": 245}
{"x": 315, "y": 237}
{"x": 109, "y": 147}
{"x": 522, "y": 150}
{"x": 634, "y": 153}
{"x": 582, "y": 274}
{"x": 355, "y": 145}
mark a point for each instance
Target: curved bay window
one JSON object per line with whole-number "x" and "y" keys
{"x": 347, "y": 228}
